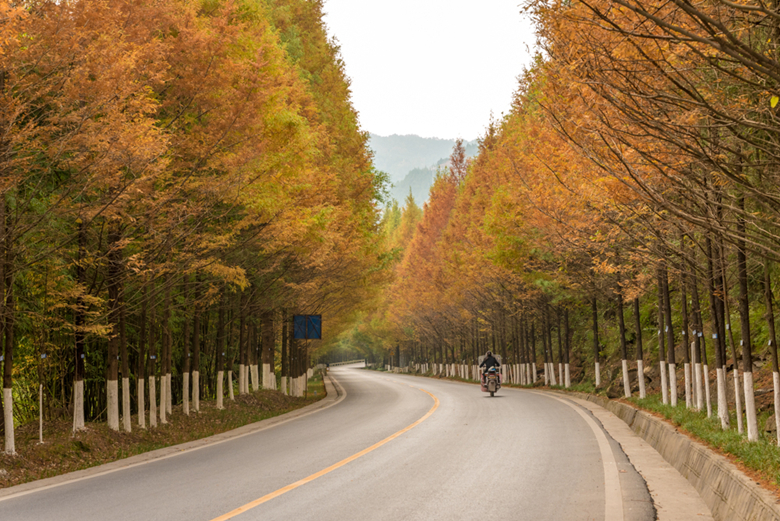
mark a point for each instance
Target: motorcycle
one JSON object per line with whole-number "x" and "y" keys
{"x": 491, "y": 381}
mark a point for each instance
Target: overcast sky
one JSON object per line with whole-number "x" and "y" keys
{"x": 435, "y": 68}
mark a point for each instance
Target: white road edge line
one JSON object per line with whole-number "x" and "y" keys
{"x": 613, "y": 494}
{"x": 340, "y": 391}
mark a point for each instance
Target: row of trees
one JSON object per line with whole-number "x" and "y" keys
{"x": 637, "y": 169}
{"x": 178, "y": 179}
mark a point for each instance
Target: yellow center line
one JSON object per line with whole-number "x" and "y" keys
{"x": 293, "y": 486}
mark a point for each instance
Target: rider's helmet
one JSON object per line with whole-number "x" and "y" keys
{"x": 489, "y": 353}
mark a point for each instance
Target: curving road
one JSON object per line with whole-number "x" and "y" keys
{"x": 520, "y": 455}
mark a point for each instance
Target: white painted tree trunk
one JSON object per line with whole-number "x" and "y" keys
{"x": 546, "y": 374}
{"x": 168, "y": 394}
{"x": 163, "y": 399}
{"x": 255, "y": 378}
{"x": 640, "y": 375}
{"x": 694, "y": 379}
{"x": 738, "y": 401}
{"x": 266, "y": 378}
{"x": 112, "y": 394}
{"x": 626, "y": 384}
{"x": 153, "y": 401}
{"x": 567, "y": 375}
{"x": 196, "y": 391}
{"x": 776, "y": 382}
{"x": 750, "y": 407}
{"x": 673, "y": 384}
{"x": 293, "y": 389}
{"x": 552, "y": 375}
{"x": 78, "y": 406}
{"x": 185, "y": 393}
{"x": 8, "y": 417}
{"x": 560, "y": 373}
{"x": 40, "y": 414}
{"x": 230, "y": 383}
{"x": 664, "y": 386}
{"x": 533, "y": 372}
{"x": 723, "y": 411}
{"x": 140, "y": 389}
{"x": 707, "y": 394}
{"x": 220, "y": 390}
{"x": 240, "y": 380}
{"x": 697, "y": 380}
{"x": 688, "y": 397}
{"x": 598, "y": 374}
{"x": 284, "y": 385}
{"x": 126, "y": 405}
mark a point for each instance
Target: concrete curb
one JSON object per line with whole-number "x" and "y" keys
{"x": 335, "y": 394}
{"x": 729, "y": 494}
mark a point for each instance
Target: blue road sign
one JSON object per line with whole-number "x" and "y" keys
{"x": 307, "y": 327}
{"x": 314, "y": 326}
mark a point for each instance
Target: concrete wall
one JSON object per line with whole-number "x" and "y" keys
{"x": 730, "y": 494}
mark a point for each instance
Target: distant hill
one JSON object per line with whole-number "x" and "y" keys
{"x": 411, "y": 161}
{"x": 398, "y": 155}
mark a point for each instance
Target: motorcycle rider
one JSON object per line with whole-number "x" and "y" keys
{"x": 488, "y": 362}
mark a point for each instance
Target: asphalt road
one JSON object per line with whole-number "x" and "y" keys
{"x": 519, "y": 455}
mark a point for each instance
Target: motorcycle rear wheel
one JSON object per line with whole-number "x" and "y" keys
{"x": 492, "y": 393}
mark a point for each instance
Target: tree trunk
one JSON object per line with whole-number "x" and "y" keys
{"x": 623, "y": 348}
{"x": 242, "y": 384}
{"x": 560, "y": 347}
{"x": 701, "y": 370}
{"x": 79, "y": 322}
{"x": 669, "y": 329}
{"x": 168, "y": 347}
{"x": 185, "y": 377}
{"x": 140, "y": 380}
{"x": 685, "y": 337}
{"x": 729, "y": 333}
{"x": 596, "y": 346}
{"x": 640, "y": 369}
{"x": 196, "y": 327}
{"x": 220, "y": 353}
{"x": 7, "y": 323}
{"x": 126, "y": 414}
{"x": 151, "y": 372}
{"x": 716, "y": 316}
{"x": 253, "y": 352}
{"x": 744, "y": 318}
{"x": 661, "y": 340}
{"x": 534, "y": 374}
{"x": 268, "y": 326}
{"x": 770, "y": 320}
{"x": 567, "y": 375}
{"x": 268, "y": 341}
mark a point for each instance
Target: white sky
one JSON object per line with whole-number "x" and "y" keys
{"x": 435, "y": 68}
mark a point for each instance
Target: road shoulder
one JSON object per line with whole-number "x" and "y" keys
{"x": 673, "y": 495}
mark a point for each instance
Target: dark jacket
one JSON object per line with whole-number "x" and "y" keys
{"x": 489, "y": 362}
